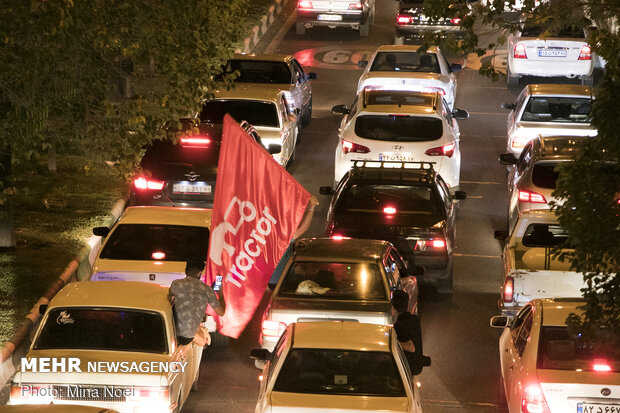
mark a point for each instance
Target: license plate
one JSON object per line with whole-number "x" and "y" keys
{"x": 197, "y": 188}
{"x": 330, "y": 17}
{"x": 552, "y": 52}
{"x": 597, "y": 408}
{"x": 406, "y": 157}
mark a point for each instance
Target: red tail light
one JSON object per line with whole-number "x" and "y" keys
{"x": 601, "y": 366}
{"x": 195, "y": 142}
{"x": 446, "y": 150}
{"x": 355, "y": 6}
{"x": 438, "y": 243}
{"x": 533, "y": 400}
{"x": 430, "y": 245}
{"x": 402, "y": 18}
{"x": 533, "y": 197}
{"x": 158, "y": 255}
{"x": 519, "y": 52}
{"x": 350, "y": 147}
{"x": 586, "y": 53}
{"x": 273, "y": 328}
{"x": 304, "y": 4}
{"x": 509, "y": 287}
{"x": 455, "y": 20}
{"x": 389, "y": 210}
{"x": 143, "y": 183}
{"x": 339, "y": 237}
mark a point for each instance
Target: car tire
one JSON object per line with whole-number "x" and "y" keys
{"x": 300, "y": 28}
{"x": 219, "y": 340}
{"x": 446, "y": 285}
{"x": 587, "y": 80}
{"x": 307, "y": 116}
{"x": 512, "y": 80}
{"x": 365, "y": 28}
{"x": 399, "y": 40}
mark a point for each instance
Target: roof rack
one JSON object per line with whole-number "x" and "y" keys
{"x": 365, "y": 163}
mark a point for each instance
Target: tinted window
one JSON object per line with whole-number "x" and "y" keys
{"x": 340, "y": 372}
{"x": 405, "y": 62}
{"x": 534, "y": 28}
{"x": 405, "y": 199}
{"x": 544, "y": 175}
{"x": 398, "y": 128}
{"x": 140, "y": 241}
{"x": 550, "y": 109}
{"x": 253, "y": 71}
{"x": 257, "y": 113}
{"x": 165, "y": 158}
{"x": 103, "y": 329}
{"x": 339, "y": 281}
{"x": 558, "y": 350}
{"x": 544, "y": 235}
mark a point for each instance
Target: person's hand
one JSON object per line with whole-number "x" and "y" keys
{"x": 313, "y": 201}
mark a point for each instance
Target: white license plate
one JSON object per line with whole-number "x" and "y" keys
{"x": 597, "y": 408}
{"x": 552, "y": 52}
{"x": 388, "y": 156}
{"x": 191, "y": 189}
{"x": 330, "y": 17}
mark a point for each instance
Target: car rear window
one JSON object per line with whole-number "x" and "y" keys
{"x": 558, "y": 109}
{"x": 254, "y": 71}
{"x": 257, "y": 113}
{"x": 103, "y": 329}
{"x": 544, "y": 235}
{"x": 544, "y": 175}
{"x": 534, "y": 28}
{"x": 375, "y": 198}
{"x": 559, "y": 350}
{"x": 317, "y": 371}
{"x": 167, "y": 158}
{"x": 405, "y": 62}
{"x": 142, "y": 241}
{"x": 398, "y": 128}
{"x": 332, "y": 280}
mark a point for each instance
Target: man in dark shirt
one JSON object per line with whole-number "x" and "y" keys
{"x": 408, "y": 331}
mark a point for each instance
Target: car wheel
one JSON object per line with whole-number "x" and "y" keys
{"x": 300, "y": 28}
{"x": 307, "y": 116}
{"x": 399, "y": 40}
{"x": 219, "y": 340}
{"x": 195, "y": 383}
{"x": 446, "y": 285}
{"x": 512, "y": 80}
{"x": 587, "y": 80}
{"x": 365, "y": 28}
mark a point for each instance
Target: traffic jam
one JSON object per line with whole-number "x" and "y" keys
{"x": 215, "y": 244}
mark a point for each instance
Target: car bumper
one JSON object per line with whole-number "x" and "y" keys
{"x": 508, "y": 310}
{"x": 525, "y": 67}
{"x": 348, "y": 19}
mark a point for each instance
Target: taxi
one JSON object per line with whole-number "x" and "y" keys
{"x": 103, "y": 325}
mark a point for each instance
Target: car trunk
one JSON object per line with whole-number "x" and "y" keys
{"x": 306, "y": 403}
{"x": 291, "y": 310}
{"x": 552, "y": 50}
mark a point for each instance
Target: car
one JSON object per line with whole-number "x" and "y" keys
{"x": 337, "y": 279}
{"x": 397, "y": 125}
{"x": 102, "y": 325}
{"x": 546, "y": 367}
{"x": 532, "y": 177}
{"x": 403, "y": 68}
{"x": 183, "y": 173}
{"x": 336, "y": 366}
{"x": 411, "y": 23}
{"x": 537, "y": 49}
{"x": 276, "y": 69}
{"x": 406, "y": 203}
{"x": 356, "y": 14}
{"x": 548, "y": 110}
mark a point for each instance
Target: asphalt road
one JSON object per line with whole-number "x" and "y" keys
{"x": 464, "y": 376}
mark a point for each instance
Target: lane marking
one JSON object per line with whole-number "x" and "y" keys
{"x": 483, "y": 182}
{"x": 474, "y": 196}
{"x": 478, "y": 256}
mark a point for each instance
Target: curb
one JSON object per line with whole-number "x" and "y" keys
{"x": 77, "y": 270}
{"x": 258, "y": 31}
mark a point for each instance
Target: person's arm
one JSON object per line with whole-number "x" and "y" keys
{"x": 220, "y": 309}
{"x": 307, "y": 219}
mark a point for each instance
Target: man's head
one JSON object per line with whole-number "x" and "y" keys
{"x": 400, "y": 300}
{"x": 193, "y": 267}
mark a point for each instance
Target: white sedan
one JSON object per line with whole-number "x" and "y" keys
{"x": 546, "y": 369}
{"x": 336, "y": 366}
{"x": 403, "y": 68}
{"x": 401, "y": 126}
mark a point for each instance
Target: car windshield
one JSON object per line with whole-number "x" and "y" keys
{"x": 398, "y": 128}
{"x": 156, "y": 242}
{"x": 103, "y": 329}
{"x": 257, "y": 113}
{"x": 544, "y": 235}
{"x": 333, "y": 280}
{"x": 535, "y": 28}
{"x": 557, "y": 109}
{"x": 559, "y": 350}
{"x": 544, "y": 175}
{"x": 405, "y": 62}
{"x": 256, "y": 71}
{"x": 165, "y": 158}
{"x": 316, "y": 371}
{"x": 389, "y": 199}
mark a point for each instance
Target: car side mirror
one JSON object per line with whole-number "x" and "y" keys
{"x": 326, "y": 190}
{"x": 101, "y": 231}
{"x": 42, "y": 308}
{"x": 508, "y": 105}
{"x": 418, "y": 270}
{"x": 460, "y": 195}
{"x": 261, "y": 354}
{"x": 460, "y": 114}
{"x": 311, "y": 76}
{"x": 274, "y": 148}
{"x": 499, "y": 321}
{"x": 426, "y": 361}
{"x": 362, "y": 64}
{"x": 501, "y": 235}
{"x": 507, "y": 159}
{"x": 340, "y": 110}
{"x": 455, "y": 67}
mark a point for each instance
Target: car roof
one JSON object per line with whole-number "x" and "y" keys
{"x": 401, "y": 102}
{"x": 263, "y": 57}
{"x": 396, "y": 175}
{"x": 556, "y": 310}
{"x": 404, "y": 48}
{"x": 328, "y": 249}
{"x": 251, "y": 91}
{"x": 120, "y": 294}
{"x": 342, "y": 335}
{"x": 559, "y": 147}
{"x": 199, "y": 217}
{"x": 560, "y": 89}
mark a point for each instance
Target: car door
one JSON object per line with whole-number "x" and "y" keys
{"x": 268, "y": 377}
{"x": 303, "y": 87}
{"x": 453, "y": 126}
{"x": 447, "y": 71}
{"x": 444, "y": 195}
{"x": 514, "y": 345}
{"x": 512, "y": 116}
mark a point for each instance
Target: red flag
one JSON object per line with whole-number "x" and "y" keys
{"x": 256, "y": 210}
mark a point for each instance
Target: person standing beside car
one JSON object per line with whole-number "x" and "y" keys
{"x": 408, "y": 331}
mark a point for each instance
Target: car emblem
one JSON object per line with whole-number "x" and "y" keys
{"x": 605, "y": 391}
{"x": 398, "y": 148}
{"x": 192, "y": 176}
{"x": 152, "y": 277}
